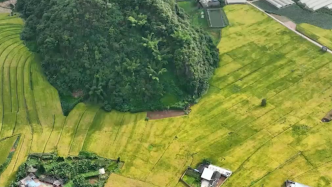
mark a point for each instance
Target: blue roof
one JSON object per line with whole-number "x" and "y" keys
{"x": 32, "y": 183}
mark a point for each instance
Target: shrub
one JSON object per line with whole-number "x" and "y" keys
{"x": 263, "y": 103}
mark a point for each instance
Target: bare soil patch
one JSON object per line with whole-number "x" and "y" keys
{"x": 165, "y": 114}
{"x": 4, "y": 10}
{"x": 78, "y": 93}
{"x": 6, "y": 4}
{"x": 289, "y": 23}
{"x": 93, "y": 180}
{"x": 327, "y": 117}
{"x": 280, "y": 18}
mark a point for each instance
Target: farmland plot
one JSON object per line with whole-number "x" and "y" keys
{"x": 261, "y": 145}
{"x": 6, "y": 147}
{"x": 320, "y": 35}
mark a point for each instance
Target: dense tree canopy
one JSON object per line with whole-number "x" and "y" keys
{"x": 130, "y": 55}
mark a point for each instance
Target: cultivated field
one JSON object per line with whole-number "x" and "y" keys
{"x": 261, "y": 145}
{"x": 322, "y": 36}
{"x": 6, "y": 147}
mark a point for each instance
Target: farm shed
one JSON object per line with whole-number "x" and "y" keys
{"x": 101, "y": 171}
{"x": 207, "y": 174}
{"x": 280, "y": 3}
{"x": 235, "y": 1}
{"x": 314, "y": 5}
{"x": 214, "y": 176}
{"x": 289, "y": 183}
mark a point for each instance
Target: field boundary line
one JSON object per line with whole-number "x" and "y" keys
{"x": 280, "y": 166}
{"x": 78, "y": 124}
{"x": 64, "y": 123}
{"x": 9, "y": 137}
{"x": 17, "y": 80}
{"x": 24, "y": 56}
{"x": 10, "y": 81}
{"x": 2, "y": 85}
{"x": 118, "y": 130}
{"x": 33, "y": 95}
{"x": 25, "y": 101}
{"x": 50, "y": 134}
{"x": 93, "y": 122}
{"x": 18, "y": 155}
{"x": 94, "y": 116}
{"x": 3, "y": 74}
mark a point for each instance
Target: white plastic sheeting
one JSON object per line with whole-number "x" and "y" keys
{"x": 280, "y": 3}
{"x": 314, "y": 5}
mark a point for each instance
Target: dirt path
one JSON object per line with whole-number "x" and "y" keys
{"x": 290, "y": 26}
{"x": 165, "y": 114}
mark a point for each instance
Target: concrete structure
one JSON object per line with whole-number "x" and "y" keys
{"x": 213, "y": 176}
{"x": 209, "y": 3}
{"x": 289, "y": 183}
{"x": 235, "y": 1}
{"x": 314, "y": 5}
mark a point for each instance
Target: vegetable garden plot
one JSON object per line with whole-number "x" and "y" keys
{"x": 217, "y": 18}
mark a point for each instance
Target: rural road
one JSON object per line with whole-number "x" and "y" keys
{"x": 292, "y": 29}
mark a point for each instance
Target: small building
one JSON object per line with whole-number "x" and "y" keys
{"x": 101, "y": 171}
{"x": 214, "y": 176}
{"x": 207, "y": 174}
{"x": 209, "y": 3}
{"x": 289, "y": 183}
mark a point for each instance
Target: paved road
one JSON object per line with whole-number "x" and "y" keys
{"x": 290, "y": 28}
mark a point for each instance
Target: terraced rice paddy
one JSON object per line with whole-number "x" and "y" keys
{"x": 261, "y": 145}
{"x": 320, "y": 35}
{"x": 6, "y": 146}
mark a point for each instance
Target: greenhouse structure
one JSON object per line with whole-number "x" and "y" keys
{"x": 280, "y": 3}
{"x": 314, "y": 5}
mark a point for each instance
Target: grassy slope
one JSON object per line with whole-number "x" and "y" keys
{"x": 259, "y": 59}
{"x": 323, "y": 36}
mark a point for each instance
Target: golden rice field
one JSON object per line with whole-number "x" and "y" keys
{"x": 263, "y": 146}
{"x": 323, "y": 36}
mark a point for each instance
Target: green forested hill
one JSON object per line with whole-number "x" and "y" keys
{"x": 130, "y": 55}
